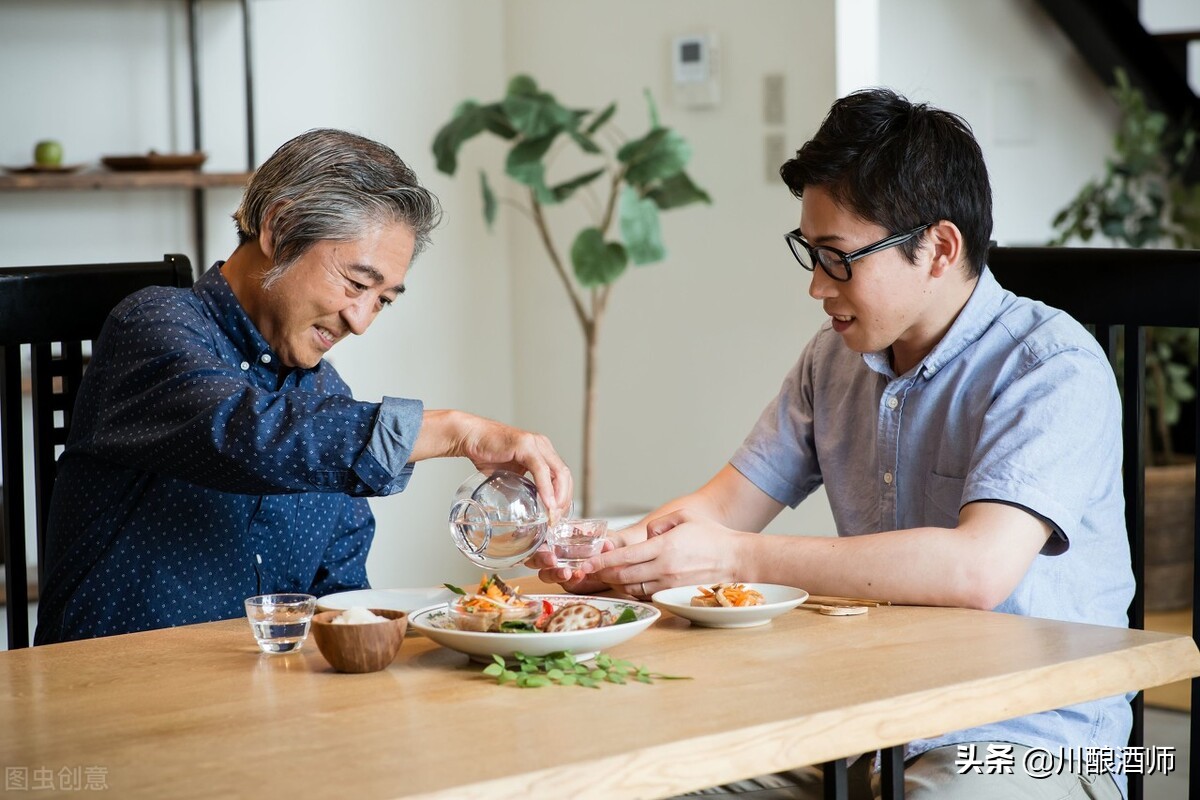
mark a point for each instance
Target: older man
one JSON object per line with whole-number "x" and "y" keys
{"x": 214, "y": 453}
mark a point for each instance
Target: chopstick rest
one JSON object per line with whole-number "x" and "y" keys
{"x": 835, "y": 611}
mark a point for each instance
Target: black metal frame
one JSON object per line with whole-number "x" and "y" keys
{"x": 1126, "y": 291}
{"x": 1113, "y": 291}
{"x": 51, "y": 308}
{"x": 193, "y": 16}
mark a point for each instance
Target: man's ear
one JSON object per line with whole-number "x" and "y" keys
{"x": 266, "y": 232}
{"x": 946, "y": 241}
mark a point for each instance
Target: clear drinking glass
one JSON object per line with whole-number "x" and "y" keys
{"x": 576, "y": 540}
{"x": 280, "y": 621}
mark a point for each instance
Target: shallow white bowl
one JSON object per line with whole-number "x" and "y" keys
{"x": 436, "y": 624}
{"x": 778, "y": 599}
{"x": 406, "y": 600}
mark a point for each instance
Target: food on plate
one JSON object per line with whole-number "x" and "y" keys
{"x": 498, "y": 608}
{"x": 495, "y": 607}
{"x": 574, "y": 617}
{"x": 727, "y": 595}
{"x": 357, "y": 615}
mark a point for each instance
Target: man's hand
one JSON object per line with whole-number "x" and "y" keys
{"x": 492, "y": 445}
{"x": 681, "y": 548}
{"x": 574, "y": 580}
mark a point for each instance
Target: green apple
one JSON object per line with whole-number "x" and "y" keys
{"x": 48, "y": 153}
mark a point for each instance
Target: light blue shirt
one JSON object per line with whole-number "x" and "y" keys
{"x": 1017, "y": 404}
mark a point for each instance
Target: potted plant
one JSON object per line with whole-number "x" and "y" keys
{"x": 629, "y": 182}
{"x": 1145, "y": 200}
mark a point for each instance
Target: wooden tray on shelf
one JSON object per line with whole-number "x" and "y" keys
{"x": 154, "y": 161}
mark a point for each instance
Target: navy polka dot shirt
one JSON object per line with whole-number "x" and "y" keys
{"x": 189, "y": 457}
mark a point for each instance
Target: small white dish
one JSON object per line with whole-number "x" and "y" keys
{"x": 778, "y": 599}
{"x": 406, "y": 600}
{"x": 435, "y": 623}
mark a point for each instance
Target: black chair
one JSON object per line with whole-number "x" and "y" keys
{"x": 54, "y": 309}
{"x": 1119, "y": 293}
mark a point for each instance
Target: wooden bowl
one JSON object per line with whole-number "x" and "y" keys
{"x": 365, "y": 647}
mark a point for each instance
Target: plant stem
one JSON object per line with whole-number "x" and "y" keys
{"x": 590, "y": 392}
{"x": 539, "y": 220}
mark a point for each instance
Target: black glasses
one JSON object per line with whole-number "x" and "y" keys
{"x": 836, "y": 263}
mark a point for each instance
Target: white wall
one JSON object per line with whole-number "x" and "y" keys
{"x": 105, "y": 77}
{"x": 1044, "y": 121}
{"x": 695, "y": 346}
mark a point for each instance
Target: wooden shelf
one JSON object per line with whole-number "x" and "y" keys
{"x": 105, "y": 179}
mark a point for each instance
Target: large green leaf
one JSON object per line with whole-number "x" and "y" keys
{"x": 496, "y": 121}
{"x": 538, "y": 115}
{"x": 657, "y": 156}
{"x": 565, "y": 190}
{"x": 521, "y": 84}
{"x": 489, "y": 199}
{"x": 596, "y": 263}
{"x": 524, "y": 165}
{"x": 651, "y": 108}
{"x": 584, "y": 141}
{"x": 469, "y": 120}
{"x": 640, "y": 229}
{"x": 603, "y": 117}
{"x": 677, "y": 190}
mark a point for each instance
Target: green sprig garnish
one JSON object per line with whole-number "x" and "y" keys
{"x": 560, "y": 668}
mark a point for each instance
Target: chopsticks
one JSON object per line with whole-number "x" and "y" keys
{"x": 833, "y": 600}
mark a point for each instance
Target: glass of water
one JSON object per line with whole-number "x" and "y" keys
{"x": 280, "y": 621}
{"x": 576, "y": 540}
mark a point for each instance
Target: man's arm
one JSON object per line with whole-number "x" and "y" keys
{"x": 976, "y": 564}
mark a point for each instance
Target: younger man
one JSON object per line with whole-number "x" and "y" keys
{"x": 964, "y": 435}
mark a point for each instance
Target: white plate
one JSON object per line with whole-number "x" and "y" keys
{"x": 407, "y": 600}
{"x": 778, "y": 599}
{"x": 434, "y": 623}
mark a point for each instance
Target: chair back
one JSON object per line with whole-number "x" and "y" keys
{"x": 1119, "y": 293}
{"x": 54, "y": 310}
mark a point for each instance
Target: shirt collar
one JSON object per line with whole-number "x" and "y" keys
{"x": 976, "y": 316}
{"x": 230, "y": 317}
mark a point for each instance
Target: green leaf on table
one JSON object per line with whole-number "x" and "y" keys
{"x": 597, "y": 262}
{"x": 535, "y": 671}
{"x": 640, "y": 229}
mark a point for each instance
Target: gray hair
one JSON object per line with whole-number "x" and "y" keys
{"x": 331, "y": 184}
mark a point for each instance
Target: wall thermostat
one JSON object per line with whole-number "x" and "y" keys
{"x": 695, "y": 68}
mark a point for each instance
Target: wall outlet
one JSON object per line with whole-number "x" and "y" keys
{"x": 773, "y": 102}
{"x": 775, "y": 152}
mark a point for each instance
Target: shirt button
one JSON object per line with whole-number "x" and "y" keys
{"x": 265, "y": 358}
{"x": 892, "y": 402}
{"x": 887, "y": 477}
{"x": 245, "y": 365}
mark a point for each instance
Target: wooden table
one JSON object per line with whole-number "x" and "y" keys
{"x": 197, "y": 712}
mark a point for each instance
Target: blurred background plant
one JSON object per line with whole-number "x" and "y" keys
{"x": 636, "y": 179}
{"x": 1146, "y": 200}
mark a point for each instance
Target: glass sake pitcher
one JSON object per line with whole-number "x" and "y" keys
{"x": 497, "y": 520}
